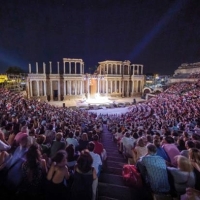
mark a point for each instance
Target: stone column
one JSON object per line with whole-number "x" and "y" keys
{"x": 44, "y": 68}
{"x": 58, "y": 67}
{"x": 36, "y": 67}
{"x": 116, "y": 69}
{"x": 81, "y": 90}
{"x": 75, "y": 68}
{"x": 31, "y": 88}
{"x": 120, "y": 67}
{"x": 70, "y": 87}
{"x": 141, "y": 69}
{"x": 58, "y": 90}
{"x": 122, "y": 87}
{"x": 132, "y": 87}
{"x": 63, "y": 67}
{"x": 137, "y": 70}
{"x": 50, "y": 68}
{"x": 99, "y": 69}
{"x": 106, "y": 87}
{"x": 115, "y": 86}
{"x": 38, "y": 89}
{"x": 81, "y": 68}
{"x": 75, "y": 87}
{"x": 29, "y": 68}
{"x": 51, "y": 93}
{"x": 69, "y": 67}
{"x": 64, "y": 89}
{"x": 111, "y": 69}
{"x": 128, "y": 86}
{"x": 45, "y": 88}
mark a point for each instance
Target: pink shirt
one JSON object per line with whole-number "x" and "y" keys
{"x": 171, "y": 151}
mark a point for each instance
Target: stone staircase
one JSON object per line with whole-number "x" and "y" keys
{"x": 111, "y": 185}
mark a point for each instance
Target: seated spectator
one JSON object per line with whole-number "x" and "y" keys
{"x": 188, "y": 144}
{"x": 183, "y": 175}
{"x": 127, "y": 144}
{"x": 83, "y": 142}
{"x": 97, "y": 164}
{"x": 171, "y": 149}
{"x": 71, "y": 156}
{"x": 57, "y": 144}
{"x": 34, "y": 170}
{"x": 153, "y": 170}
{"x": 160, "y": 151}
{"x": 84, "y": 176}
{"x": 194, "y": 157}
{"x": 72, "y": 140}
{"x": 139, "y": 150}
{"x": 98, "y": 145}
{"x": 57, "y": 176}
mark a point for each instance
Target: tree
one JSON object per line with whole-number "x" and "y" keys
{"x": 14, "y": 70}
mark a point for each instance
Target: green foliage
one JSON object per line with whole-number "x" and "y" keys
{"x": 14, "y": 70}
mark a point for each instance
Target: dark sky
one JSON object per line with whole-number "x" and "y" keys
{"x": 161, "y": 34}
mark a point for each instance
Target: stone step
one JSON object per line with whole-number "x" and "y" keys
{"x": 112, "y": 170}
{"x": 114, "y": 191}
{"x": 111, "y": 179}
{"x": 116, "y": 159}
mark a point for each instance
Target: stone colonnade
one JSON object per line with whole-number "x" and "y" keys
{"x": 112, "y": 78}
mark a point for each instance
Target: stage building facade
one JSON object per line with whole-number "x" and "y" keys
{"x": 112, "y": 78}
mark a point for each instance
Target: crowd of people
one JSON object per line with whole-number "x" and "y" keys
{"x": 48, "y": 151}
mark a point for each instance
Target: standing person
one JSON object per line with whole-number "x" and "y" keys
{"x": 57, "y": 176}
{"x": 84, "y": 176}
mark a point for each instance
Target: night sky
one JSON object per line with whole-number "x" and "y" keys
{"x": 160, "y": 34}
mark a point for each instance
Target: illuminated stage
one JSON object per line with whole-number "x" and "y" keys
{"x": 97, "y": 100}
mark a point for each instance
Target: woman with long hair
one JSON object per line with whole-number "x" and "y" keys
{"x": 56, "y": 187}
{"x": 194, "y": 156}
{"x": 33, "y": 173}
{"x": 84, "y": 174}
{"x": 182, "y": 176}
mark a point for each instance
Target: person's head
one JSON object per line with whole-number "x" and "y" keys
{"x": 156, "y": 142}
{"x": 33, "y": 155}
{"x": 70, "y": 151}
{"x": 127, "y": 134}
{"x": 91, "y": 146}
{"x": 71, "y": 135}
{"x": 95, "y": 137}
{"x": 168, "y": 140}
{"x": 84, "y": 162}
{"x": 59, "y": 136}
{"x": 189, "y": 144}
{"x": 141, "y": 142}
{"x": 60, "y": 158}
{"x": 184, "y": 163}
{"x": 41, "y": 139}
{"x": 24, "y": 129}
{"x": 84, "y": 137}
{"x": 151, "y": 149}
{"x": 194, "y": 155}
